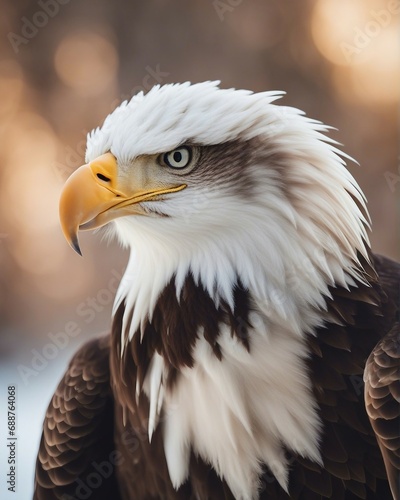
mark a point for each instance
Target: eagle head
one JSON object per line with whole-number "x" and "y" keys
{"x": 225, "y": 185}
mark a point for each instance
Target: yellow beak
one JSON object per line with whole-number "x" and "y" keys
{"x": 93, "y": 197}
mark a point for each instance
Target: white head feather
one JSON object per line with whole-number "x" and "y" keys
{"x": 302, "y": 222}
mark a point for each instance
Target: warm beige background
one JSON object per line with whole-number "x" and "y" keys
{"x": 63, "y": 71}
{"x": 337, "y": 59}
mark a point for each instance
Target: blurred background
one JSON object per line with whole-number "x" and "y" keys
{"x": 65, "y": 64}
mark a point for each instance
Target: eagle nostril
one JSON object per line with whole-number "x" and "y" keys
{"x": 103, "y": 178}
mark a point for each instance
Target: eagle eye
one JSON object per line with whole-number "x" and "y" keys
{"x": 178, "y": 158}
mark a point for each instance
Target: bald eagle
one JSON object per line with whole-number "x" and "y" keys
{"x": 251, "y": 310}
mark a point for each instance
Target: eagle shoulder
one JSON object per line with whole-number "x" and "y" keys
{"x": 76, "y": 448}
{"x": 382, "y": 381}
{"x": 382, "y": 376}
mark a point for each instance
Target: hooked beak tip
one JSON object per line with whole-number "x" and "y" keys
{"x": 75, "y": 245}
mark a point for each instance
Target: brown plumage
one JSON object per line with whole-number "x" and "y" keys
{"x": 80, "y": 442}
{"x": 382, "y": 384}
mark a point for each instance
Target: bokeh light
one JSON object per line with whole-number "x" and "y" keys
{"x": 29, "y": 185}
{"x": 361, "y": 39}
{"x": 86, "y": 62}
{"x": 333, "y": 25}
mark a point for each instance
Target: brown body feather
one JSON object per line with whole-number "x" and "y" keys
{"x": 382, "y": 385}
{"x": 80, "y": 430}
{"x": 77, "y": 447}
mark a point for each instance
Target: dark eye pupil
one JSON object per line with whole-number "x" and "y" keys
{"x": 177, "y": 156}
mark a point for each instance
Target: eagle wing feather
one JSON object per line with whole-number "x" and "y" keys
{"x": 77, "y": 441}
